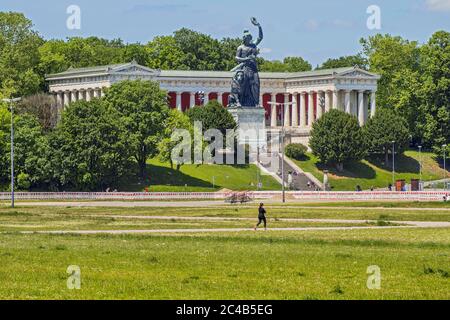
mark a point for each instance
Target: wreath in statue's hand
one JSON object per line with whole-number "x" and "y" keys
{"x": 254, "y": 21}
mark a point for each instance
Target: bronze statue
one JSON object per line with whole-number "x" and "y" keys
{"x": 245, "y": 85}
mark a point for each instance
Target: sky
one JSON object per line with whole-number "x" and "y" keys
{"x": 315, "y": 30}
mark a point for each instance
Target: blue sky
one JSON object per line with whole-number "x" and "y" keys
{"x": 315, "y": 30}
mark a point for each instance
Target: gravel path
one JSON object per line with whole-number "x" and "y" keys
{"x": 405, "y": 224}
{"x": 428, "y": 224}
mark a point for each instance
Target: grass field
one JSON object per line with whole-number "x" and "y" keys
{"x": 332, "y": 264}
{"x": 284, "y": 265}
{"x": 199, "y": 178}
{"x": 374, "y": 173}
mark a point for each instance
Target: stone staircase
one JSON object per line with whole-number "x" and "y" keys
{"x": 300, "y": 180}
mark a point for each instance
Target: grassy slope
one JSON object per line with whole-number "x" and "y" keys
{"x": 374, "y": 173}
{"x": 200, "y": 178}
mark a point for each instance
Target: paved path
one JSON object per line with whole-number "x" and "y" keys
{"x": 405, "y": 224}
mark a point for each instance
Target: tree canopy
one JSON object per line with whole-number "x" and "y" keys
{"x": 386, "y": 127}
{"x": 90, "y": 148}
{"x": 336, "y": 138}
{"x": 142, "y": 106}
{"x": 345, "y": 61}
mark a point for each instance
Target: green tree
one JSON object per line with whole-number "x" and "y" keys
{"x": 136, "y": 52}
{"x": 345, "y": 61}
{"x": 142, "y": 106}
{"x": 201, "y": 51}
{"x": 289, "y": 64}
{"x": 175, "y": 120}
{"x": 434, "y": 110}
{"x": 296, "y": 64}
{"x": 90, "y": 149}
{"x": 384, "y": 128}
{"x": 77, "y": 52}
{"x": 164, "y": 53}
{"x": 213, "y": 116}
{"x": 19, "y": 54}
{"x": 5, "y": 122}
{"x": 30, "y": 148}
{"x": 228, "y": 51}
{"x": 397, "y": 61}
{"x": 337, "y": 138}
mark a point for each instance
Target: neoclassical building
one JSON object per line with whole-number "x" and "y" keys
{"x": 311, "y": 93}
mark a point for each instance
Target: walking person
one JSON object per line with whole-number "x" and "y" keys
{"x": 261, "y": 216}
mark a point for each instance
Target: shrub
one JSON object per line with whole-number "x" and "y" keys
{"x": 296, "y": 151}
{"x": 23, "y": 181}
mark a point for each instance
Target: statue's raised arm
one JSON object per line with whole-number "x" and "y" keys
{"x": 261, "y": 35}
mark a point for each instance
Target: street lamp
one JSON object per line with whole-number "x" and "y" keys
{"x": 283, "y": 189}
{"x": 420, "y": 164}
{"x": 393, "y": 164}
{"x": 11, "y": 103}
{"x": 444, "y": 147}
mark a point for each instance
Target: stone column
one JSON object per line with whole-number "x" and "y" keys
{"x": 82, "y": 95}
{"x": 310, "y": 108}
{"x": 66, "y": 98}
{"x": 361, "y": 107}
{"x": 220, "y": 97}
{"x": 88, "y": 95}
{"x": 295, "y": 109}
{"x": 373, "y": 104}
{"x": 366, "y": 106}
{"x": 73, "y": 96}
{"x": 96, "y": 92}
{"x": 205, "y": 102}
{"x": 348, "y": 107}
{"x": 303, "y": 109}
{"x": 192, "y": 99}
{"x": 328, "y": 98}
{"x": 287, "y": 111}
{"x": 273, "y": 111}
{"x": 335, "y": 99}
{"x": 178, "y": 101}
{"x": 320, "y": 98}
{"x": 59, "y": 100}
{"x": 102, "y": 92}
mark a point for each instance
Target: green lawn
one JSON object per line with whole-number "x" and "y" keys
{"x": 315, "y": 264}
{"x": 276, "y": 265}
{"x": 199, "y": 178}
{"x": 374, "y": 173}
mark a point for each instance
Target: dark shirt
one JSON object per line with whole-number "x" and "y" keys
{"x": 262, "y": 212}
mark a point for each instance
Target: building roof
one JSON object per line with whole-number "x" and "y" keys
{"x": 103, "y": 70}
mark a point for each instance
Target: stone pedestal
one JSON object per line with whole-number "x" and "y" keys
{"x": 251, "y": 126}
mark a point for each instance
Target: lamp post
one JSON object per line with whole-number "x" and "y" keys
{"x": 11, "y": 103}
{"x": 283, "y": 189}
{"x": 393, "y": 164}
{"x": 444, "y": 147}
{"x": 420, "y": 165}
